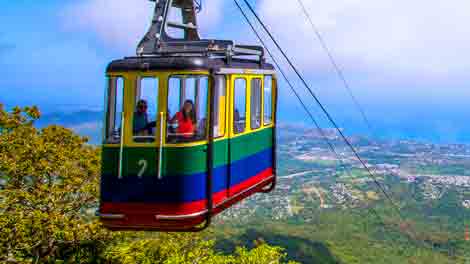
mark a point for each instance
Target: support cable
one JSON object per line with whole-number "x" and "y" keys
{"x": 304, "y": 106}
{"x": 340, "y": 73}
{"x": 325, "y": 111}
{"x": 198, "y": 4}
{"x": 335, "y": 65}
{"x": 342, "y": 77}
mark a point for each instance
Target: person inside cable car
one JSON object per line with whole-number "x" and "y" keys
{"x": 141, "y": 125}
{"x": 186, "y": 122}
{"x": 238, "y": 121}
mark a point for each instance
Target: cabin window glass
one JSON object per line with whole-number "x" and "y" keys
{"x": 220, "y": 106}
{"x": 239, "y": 111}
{"x": 146, "y": 110}
{"x": 255, "y": 105}
{"x": 174, "y": 95}
{"x": 114, "y": 110}
{"x": 187, "y": 108}
{"x": 268, "y": 100}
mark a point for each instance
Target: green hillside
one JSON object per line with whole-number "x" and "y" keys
{"x": 319, "y": 213}
{"x": 49, "y": 193}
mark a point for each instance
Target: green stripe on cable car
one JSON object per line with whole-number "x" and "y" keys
{"x": 242, "y": 147}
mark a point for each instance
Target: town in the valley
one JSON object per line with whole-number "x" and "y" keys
{"x": 312, "y": 177}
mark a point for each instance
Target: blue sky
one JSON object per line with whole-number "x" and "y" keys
{"x": 407, "y": 63}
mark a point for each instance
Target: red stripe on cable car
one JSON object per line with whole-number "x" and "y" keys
{"x": 182, "y": 208}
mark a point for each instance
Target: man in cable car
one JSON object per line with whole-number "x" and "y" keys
{"x": 142, "y": 126}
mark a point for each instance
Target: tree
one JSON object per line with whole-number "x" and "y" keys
{"x": 188, "y": 249}
{"x": 48, "y": 194}
{"x": 48, "y": 191}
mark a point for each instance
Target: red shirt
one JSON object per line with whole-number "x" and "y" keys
{"x": 185, "y": 126}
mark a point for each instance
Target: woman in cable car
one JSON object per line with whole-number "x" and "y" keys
{"x": 189, "y": 131}
{"x": 185, "y": 120}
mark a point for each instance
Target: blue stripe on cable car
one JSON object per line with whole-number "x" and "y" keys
{"x": 182, "y": 188}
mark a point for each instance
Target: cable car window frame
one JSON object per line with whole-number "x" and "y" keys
{"x": 109, "y": 95}
{"x": 221, "y": 92}
{"x": 195, "y": 75}
{"x": 268, "y": 121}
{"x": 138, "y": 85}
{"x": 258, "y": 119}
{"x": 234, "y": 125}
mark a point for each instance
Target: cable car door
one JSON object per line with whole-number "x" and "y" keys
{"x": 238, "y": 118}
{"x": 130, "y": 156}
{"x": 185, "y": 156}
{"x": 140, "y": 158}
{"x": 221, "y": 160}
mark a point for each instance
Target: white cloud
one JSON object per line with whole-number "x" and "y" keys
{"x": 391, "y": 43}
{"x": 397, "y": 38}
{"x": 117, "y": 23}
{"x": 122, "y": 23}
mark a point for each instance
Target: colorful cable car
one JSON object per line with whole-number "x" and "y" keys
{"x": 189, "y": 128}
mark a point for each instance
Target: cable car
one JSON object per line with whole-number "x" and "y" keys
{"x": 189, "y": 128}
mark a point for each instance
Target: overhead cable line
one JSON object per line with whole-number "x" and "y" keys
{"x": 324, "y": 110}
{"x": 376, "y": 214}
{"x": 341, "y": 75}
{"x": 304, "y": 106}
{"x": 335, "y": 65}
{"x": 198, "y": 4}
{"x": 338, "y": 71}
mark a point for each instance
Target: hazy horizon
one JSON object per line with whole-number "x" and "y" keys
{"x": 406, "y": 67}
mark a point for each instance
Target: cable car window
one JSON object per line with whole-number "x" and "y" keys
{"x": 189, "y": 93}
{"x": 202, "y": 90}
{"x": 187, "y": 108}
{"x": 220, "y": 108}
{"x": 255, "y": 120}
{"x": 114, "y": 109}
{"x": 268, "y": 99}
{"x": 239, "y": 113}
{"x": 174, "y": 95}
{"x": 146, "y": 108}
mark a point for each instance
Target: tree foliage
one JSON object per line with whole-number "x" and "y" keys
{"x": 187, "y": 249}
{"x": 49, "y": 182}
{"x": 49, "y": 187}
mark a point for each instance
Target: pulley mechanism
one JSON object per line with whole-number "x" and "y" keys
{"x": 174, "y": 32}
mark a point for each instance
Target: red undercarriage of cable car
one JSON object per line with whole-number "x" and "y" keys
{"x": 189, "y": 130}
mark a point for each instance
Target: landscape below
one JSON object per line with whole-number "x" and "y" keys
{"x": 322, "y": 211}
{"x": 325, "y": 211}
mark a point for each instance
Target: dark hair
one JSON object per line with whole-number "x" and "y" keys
{"x": 141, "y": 102}
{"x": 192, "y": 114}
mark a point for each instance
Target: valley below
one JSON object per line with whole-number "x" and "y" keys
{"x": 327, "y": 209}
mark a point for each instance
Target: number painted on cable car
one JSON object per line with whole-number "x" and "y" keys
{"x": 143, "y": 167}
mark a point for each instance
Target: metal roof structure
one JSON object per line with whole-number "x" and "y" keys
{"x": 160, "y": 41}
